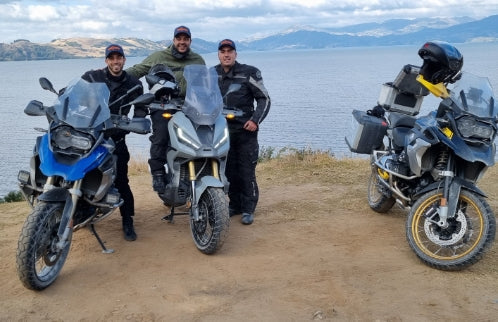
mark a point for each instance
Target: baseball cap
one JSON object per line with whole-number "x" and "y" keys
{"x": 226, "y": 42}
{"x": 114, "y": 49}
{"x": 182, "y": 30}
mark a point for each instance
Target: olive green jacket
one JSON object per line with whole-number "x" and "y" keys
{"x": 166, "y": 57}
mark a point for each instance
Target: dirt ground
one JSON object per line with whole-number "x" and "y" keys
{"x": 315, "y": 252}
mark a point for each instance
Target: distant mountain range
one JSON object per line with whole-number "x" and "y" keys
{"x": 388, "y": 33}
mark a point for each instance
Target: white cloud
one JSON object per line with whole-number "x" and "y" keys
{"x": 42, "y": 13}
{"x": 42, "y": 21}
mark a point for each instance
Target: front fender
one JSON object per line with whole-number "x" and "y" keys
{"x": 60, "y": 195}
{"x": 204, "y": 183}
{"x": 454, "y": 191}
{"x": 54, "y": 195}
{"x": 440, "y": 184}
{"x": 456, "y": 185}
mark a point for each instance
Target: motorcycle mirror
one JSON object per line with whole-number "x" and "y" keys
{"x": 134, "y": 89}
{"x": 131, "y": 90}
{"x": 34, "y": 108}
{"x": 47, "y": 85}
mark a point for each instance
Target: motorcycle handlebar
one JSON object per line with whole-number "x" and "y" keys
{"x": 139, "y": 125}
{"x": 172, "y": 106}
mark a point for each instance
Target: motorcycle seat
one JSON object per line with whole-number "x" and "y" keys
{"x": 401, "y": 120}
{"x": 401, "y": 125}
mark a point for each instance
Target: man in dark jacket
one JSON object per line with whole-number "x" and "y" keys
{"x": 119, "y": 82}
{"x": 176, "y": 56}
{"x": 244, "y": 148}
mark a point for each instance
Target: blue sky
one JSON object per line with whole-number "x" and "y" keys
{"x": 42, "y": 21}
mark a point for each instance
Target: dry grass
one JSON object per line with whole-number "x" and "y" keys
{"x": 138, "y": 166}
{"x": 344, "y": 179}
{"x": 318, "y": 167}
{"x": 341, "y": 175}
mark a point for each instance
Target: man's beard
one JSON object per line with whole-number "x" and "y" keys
{"x": 177, "y": 54}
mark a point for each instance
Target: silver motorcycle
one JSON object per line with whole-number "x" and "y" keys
{"x": 196, "y": 154}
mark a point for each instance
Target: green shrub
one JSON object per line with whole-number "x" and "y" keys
{"x": 13, "y": 196}
{"x": 265, "y": 153}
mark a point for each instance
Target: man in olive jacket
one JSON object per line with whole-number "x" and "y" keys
{"x": 176, "y": 56}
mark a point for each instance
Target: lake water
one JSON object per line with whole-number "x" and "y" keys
{"x": 313, "y": 93}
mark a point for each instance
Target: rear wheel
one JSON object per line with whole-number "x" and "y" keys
{"x": 210, "y": 231}
{"x": 379, "y": 196}
{"x": 468, "y": 235}
{"x": 39, "y": 261}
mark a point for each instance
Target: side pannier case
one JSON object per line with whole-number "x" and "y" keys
{"x": 405, "y": 94}
{"x": 366, "y": 134}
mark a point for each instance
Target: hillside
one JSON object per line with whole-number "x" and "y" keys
{"x": 74, "y": 48}
{"x": 389, "y": 33}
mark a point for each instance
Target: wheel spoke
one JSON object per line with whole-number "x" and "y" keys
{"x": 38, "y": 261}
{"x": 210, "y": 231}
{"x": 458, "y": 244}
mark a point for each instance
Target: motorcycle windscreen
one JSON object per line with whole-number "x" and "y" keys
{"x": 203, "y": 102}
{"x": 474, "y": 95}
{"x": 83, "y": 104}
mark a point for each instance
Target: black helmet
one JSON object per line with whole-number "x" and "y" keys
{"x": 442, "y": 62}
{"x": 163, "y": 72}
{"x": 161, "y": 81}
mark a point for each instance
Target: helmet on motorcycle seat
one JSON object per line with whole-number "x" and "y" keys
{"x": 163, "y": 72}
{"x": 442, "y": 62}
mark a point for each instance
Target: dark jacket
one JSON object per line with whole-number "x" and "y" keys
{"x": 167, "y": 57}
{"x": 252, "y": 89}
{"x": 118, "y": 86}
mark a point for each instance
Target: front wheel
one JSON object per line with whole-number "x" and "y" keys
{"x": 210, "y": 231}
{"x": 463, "y": 242}
{"x": 39, "y": 261}
{"x": 380, "y": 198}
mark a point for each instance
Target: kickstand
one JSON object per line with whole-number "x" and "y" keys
{"x": 169, "y": 217}
{"x": 104, "y": 249}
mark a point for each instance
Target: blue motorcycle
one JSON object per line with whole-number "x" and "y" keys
{"x": 70, "y": 182}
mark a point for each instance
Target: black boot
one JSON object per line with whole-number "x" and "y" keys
{"x": 129, "y": 231}
{"x": 159, "y": 181}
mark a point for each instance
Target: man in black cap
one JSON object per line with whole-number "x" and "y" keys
{"x": 176, "y": 56}
{"x": 119, "y": 82}
{"x": 244, "y": 148}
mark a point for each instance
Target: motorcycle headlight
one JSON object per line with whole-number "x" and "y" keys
{"x": 223, "y": 139}
{"x": 470, "y": 127}
{"x": 67, "y": 138}
{"x": 186, "y": 139}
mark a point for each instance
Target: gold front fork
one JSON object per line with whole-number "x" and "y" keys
{"x": 191, "y": 171}
{"x": 193, "y": 175}
{"x": 214, "y": 165}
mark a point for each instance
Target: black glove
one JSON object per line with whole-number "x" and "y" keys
{"x": 139, "y": 111}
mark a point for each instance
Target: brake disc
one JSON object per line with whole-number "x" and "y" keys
{"x": 434, "y": 234}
